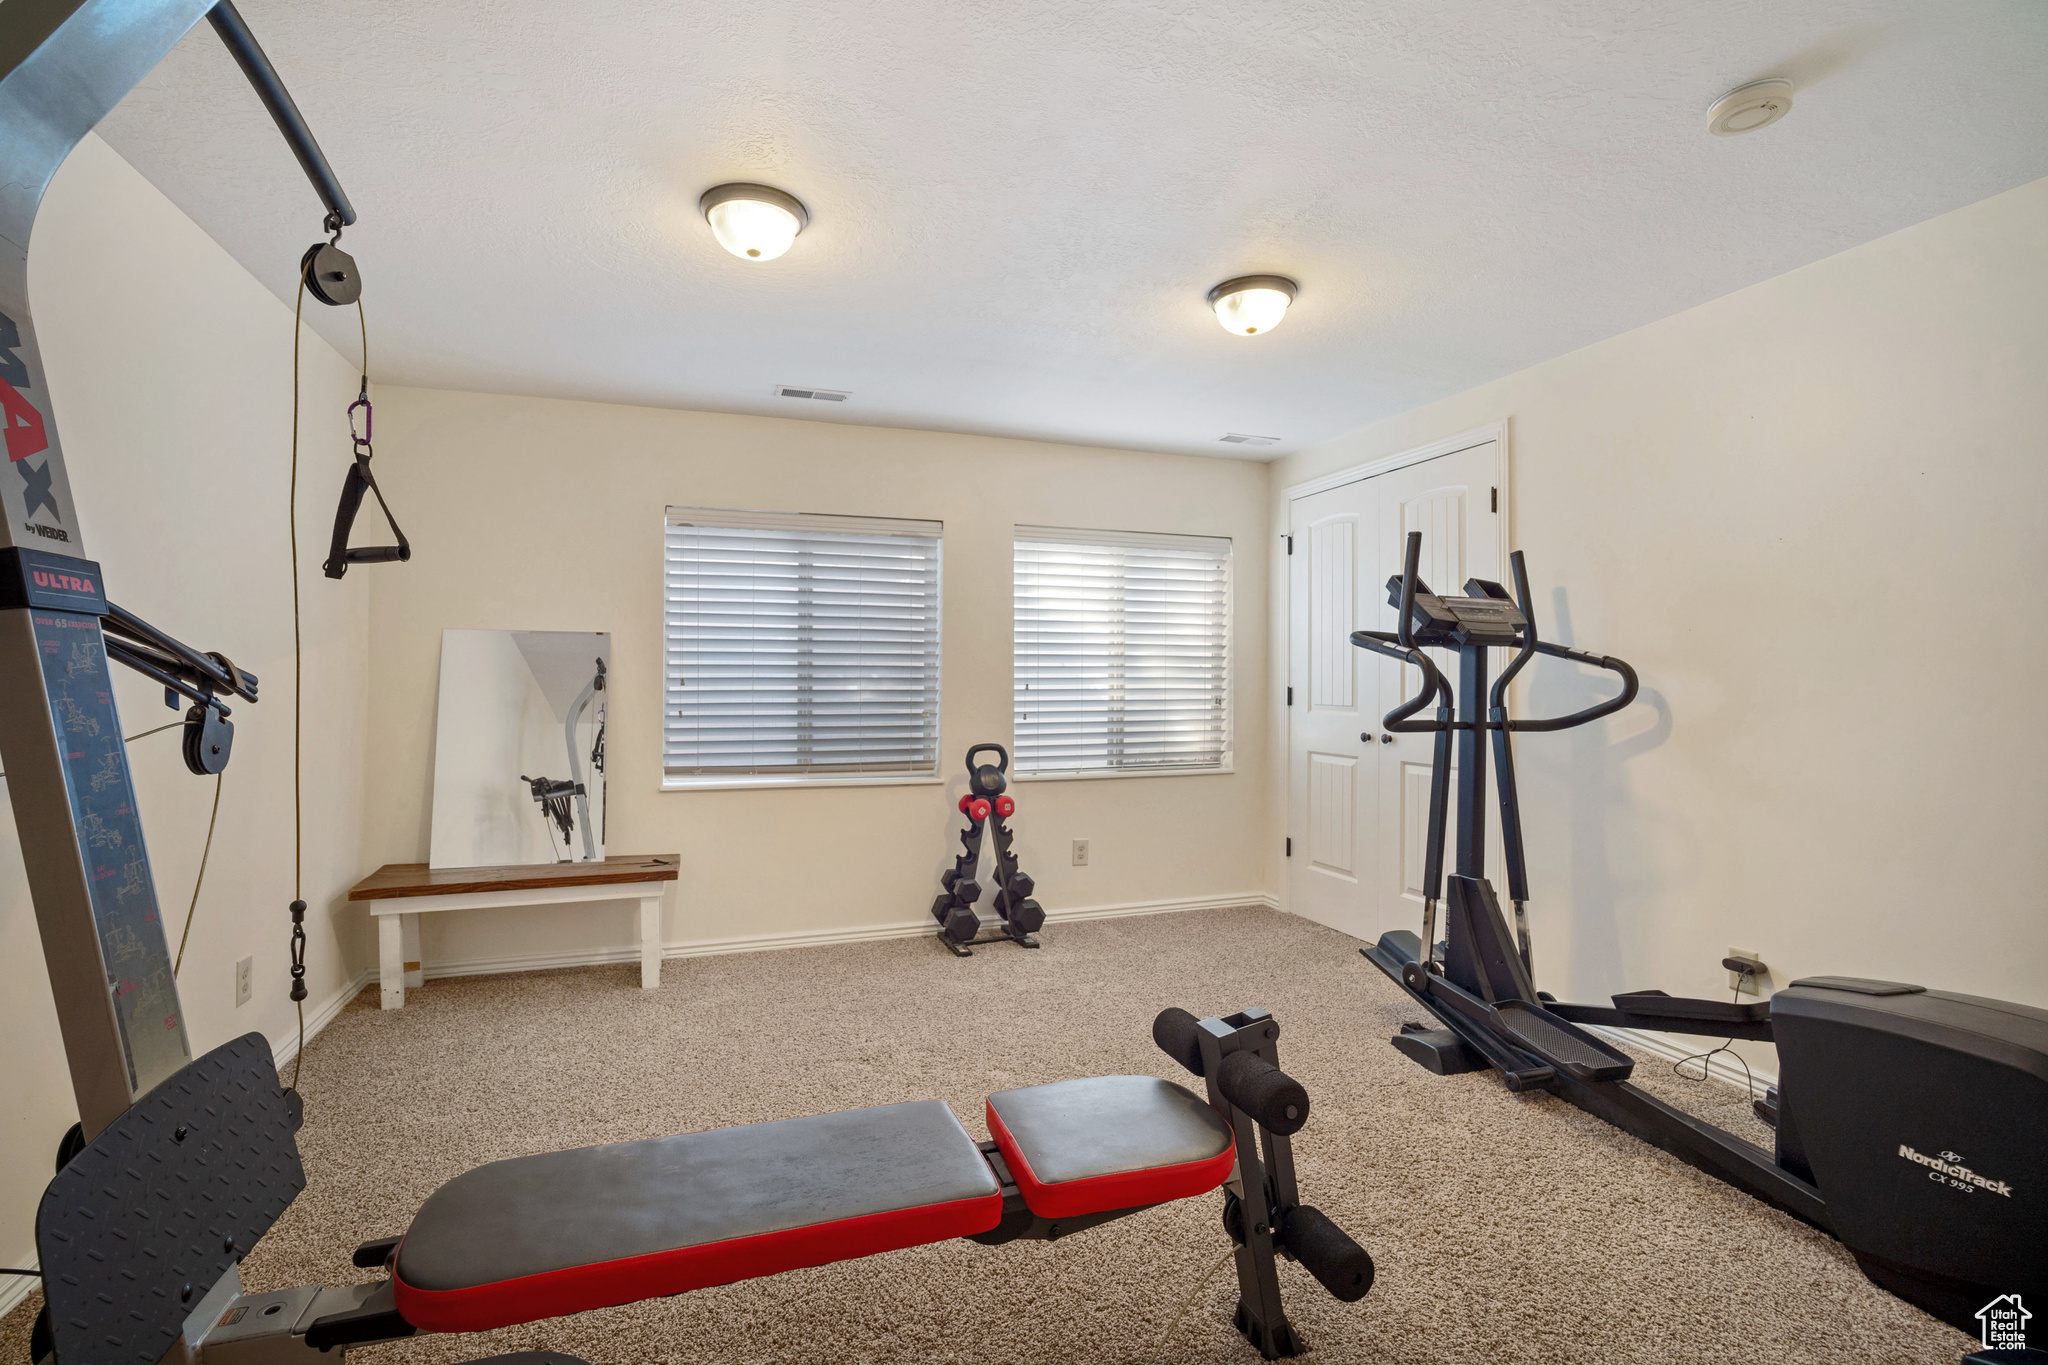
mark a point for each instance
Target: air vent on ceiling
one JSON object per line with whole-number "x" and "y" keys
{"x": 1237, "y": 438}
{"x": 822, "y": 395}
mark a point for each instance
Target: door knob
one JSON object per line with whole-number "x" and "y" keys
{"x": 1365, "y": 738}
{"x": 1386, "y": 739}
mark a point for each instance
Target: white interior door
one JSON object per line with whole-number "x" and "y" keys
{"x": 1334, "y": 803}
{"x": 1357, "y": 798}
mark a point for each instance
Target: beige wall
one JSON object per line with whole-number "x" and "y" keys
{"x": 538, "y": 514}
{"x": 170, "y": 367}
{"x": 1810, "y": 513}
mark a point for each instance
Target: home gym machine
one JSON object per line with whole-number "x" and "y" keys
{"x": 141, "y": 1232}
{"x": 1909, "y": 1121}
{"x": 987, "y": 805}
{"x": 180, "y": 1165}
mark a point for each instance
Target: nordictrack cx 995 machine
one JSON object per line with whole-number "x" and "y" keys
{"x": 1909, "y": 1121}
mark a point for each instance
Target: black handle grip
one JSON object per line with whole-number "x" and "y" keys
{"x": 1179, "y": 1035}
{"x": 1327, "y": 1252}
{"x": 1433, "y": 683}
{"x": 1268, "y": 1094}
{"x": 1411, "y": 566}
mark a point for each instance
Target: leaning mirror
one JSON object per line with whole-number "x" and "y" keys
{"x": 519, "y": 749}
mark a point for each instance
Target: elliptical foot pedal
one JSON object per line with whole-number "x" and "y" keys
{"x": 1436, "y": 1049}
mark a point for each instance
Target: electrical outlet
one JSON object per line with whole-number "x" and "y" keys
{"x": 1080, "y": 853}
{"x": 1752, "y": 984}
{"x": 245, "y": 981}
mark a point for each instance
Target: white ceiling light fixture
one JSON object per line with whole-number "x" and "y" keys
{"x": 1252, "y": 304}
{"x": 1747, "y": 108}
{"x": 753, "y": 222}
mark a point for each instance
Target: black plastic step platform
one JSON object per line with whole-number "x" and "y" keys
{"x": 1564, "y": 1045}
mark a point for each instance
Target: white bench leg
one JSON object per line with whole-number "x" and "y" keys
{"x": 650, "y": 942}
{"x": 391, "y": 960}
{"x": 409, "y": 947}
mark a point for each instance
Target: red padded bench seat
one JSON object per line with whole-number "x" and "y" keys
{"x": 1109, "y": 1142}
{"x": 544, "y": 1236}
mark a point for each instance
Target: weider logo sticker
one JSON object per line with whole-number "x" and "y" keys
{"x": 1948, "y": 1169}
{"x": 22, "y": 423}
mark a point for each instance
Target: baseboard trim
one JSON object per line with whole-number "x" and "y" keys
{"x": 1674, "y": 1048}
{"x": 18, "y": 1287}
{"x": 15, "y": 1288}
{"x": 810, "y": 938}
{"x": 320, "y": 1017}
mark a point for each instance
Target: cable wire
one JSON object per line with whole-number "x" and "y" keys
{"x": 1159, "y": 1351}
{"x": 192, "y": 911}
{"x": 292, "y": 515}
{"x": 298, "y": 652}
{"x": 145, "y": 734}
{"x": 1727, "y": 1046}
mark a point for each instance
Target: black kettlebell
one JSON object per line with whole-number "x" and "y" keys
{"x": 988, "y": 780}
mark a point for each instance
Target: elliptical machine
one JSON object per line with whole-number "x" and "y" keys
{"x": 1908, "y": 1120}
{"x": 1018, "y": 917}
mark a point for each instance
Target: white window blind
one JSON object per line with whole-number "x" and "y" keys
{"x": 799, "y": 645}
{"x": 1122, "y": 651}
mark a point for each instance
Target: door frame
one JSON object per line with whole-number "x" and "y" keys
{"x": 1283, "y": 719}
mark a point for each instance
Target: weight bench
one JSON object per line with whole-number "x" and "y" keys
{"x": 544, "y": 1236}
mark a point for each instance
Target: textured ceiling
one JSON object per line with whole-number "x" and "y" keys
{"x": 1018, "y": 205}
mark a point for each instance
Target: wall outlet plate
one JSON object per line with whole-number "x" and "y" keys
{"x": 1747, "y": 985}
{"x": 1080, "y": 853}
{"x": 245, "y": 981}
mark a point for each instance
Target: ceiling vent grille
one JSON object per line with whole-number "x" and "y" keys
{"x": 1238, "y": 438}
{"x": 822, "y": 395}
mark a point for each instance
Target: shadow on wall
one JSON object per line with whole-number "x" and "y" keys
{"x": 1592, "y": 782}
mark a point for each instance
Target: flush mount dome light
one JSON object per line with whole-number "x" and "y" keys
{"x": 753, "y": 222}
{"x": 1750, "y": 107}
{"x": 1252, "y": 304}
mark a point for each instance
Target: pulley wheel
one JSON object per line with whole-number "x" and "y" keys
{"x": 331, "y": 274}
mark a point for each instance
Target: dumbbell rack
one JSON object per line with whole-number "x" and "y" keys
{"x": 1018, "y": 916}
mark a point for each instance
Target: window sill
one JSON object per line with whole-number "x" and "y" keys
{"x": 1226, "y": 771}
{"x": 698, "y": 784}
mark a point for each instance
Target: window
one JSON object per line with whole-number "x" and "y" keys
{"x": 799, "y": 647}
{"x": 1122, "y": 652}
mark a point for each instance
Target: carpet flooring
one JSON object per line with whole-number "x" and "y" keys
{"x": 1505, "y": 1228}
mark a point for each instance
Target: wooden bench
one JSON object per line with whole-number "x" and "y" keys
{"x": 399, "y": 893}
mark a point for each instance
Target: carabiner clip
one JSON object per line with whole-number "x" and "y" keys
{"x": 369, "y": 415}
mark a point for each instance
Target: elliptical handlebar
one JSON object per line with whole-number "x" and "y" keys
{"x": 1497, "y": 700}
{"x": 1532, "y": 645}
{"x": 1433, "y": 681}
{"x": 1629, "y": 687}
{"x": 1411, "y": 564}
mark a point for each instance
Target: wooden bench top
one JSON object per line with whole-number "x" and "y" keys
{"x": 394, "y": 880}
